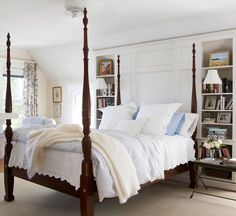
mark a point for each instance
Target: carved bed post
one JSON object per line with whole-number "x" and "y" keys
{"x": 8, "y": 177}
{"x": 86, "y": 178}
{"x": 193, "y": 110}
{"x": 118, "y": 100}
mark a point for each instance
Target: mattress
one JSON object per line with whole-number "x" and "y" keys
{"x": 150, "y": 155}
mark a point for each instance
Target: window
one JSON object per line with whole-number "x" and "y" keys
{"x": 17, "y": 87}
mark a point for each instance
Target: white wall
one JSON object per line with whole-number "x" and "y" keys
{"x": 21, "y": 55}
{"x": 63, "y": 65}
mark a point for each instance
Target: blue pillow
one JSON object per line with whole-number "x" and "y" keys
{"x": 176, "y": 121}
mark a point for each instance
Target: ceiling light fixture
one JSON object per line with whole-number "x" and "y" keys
{"x": 75, "y": 7}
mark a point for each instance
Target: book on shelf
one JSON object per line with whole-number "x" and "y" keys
{"x": 227, "y": 85}
{"x": 222, "y": 152}
{"x": 216, "y": 131}
{"x": 104, "y": 102}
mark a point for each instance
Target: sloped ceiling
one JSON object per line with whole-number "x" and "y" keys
{"x": 54, "y": 39}
{"x": 40, "y": 23}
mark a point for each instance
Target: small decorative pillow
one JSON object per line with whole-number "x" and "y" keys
{"x": 188, "y": 125}
{"x": 113, "y": 114}
{"x": 131, "y": 126}
{"x": 157, "y": 117}
{"x": 174, "y": 123}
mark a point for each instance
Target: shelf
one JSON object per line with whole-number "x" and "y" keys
{"x": 204, "y": 94}
{"x": 226, "y": 124}
{"x": 111, "y": 96}
{"x": 106, "y": 76}
{"x": 204, "y": 110}
{"x": 218, "y": 67}
{"x": 230, "y": 141}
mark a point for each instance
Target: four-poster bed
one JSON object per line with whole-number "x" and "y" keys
{"x": 88, "y": 189}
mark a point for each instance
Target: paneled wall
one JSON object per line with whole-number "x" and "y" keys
{"x": 157, "y": 72}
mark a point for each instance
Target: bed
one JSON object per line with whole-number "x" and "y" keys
{"x": 91, "y": 181}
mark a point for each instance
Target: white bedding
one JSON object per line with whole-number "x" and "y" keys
{"x": 150, "y": 155}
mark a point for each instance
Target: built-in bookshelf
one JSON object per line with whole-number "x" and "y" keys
{"x": 217, "y": 101}
{"x": 105, "y": 84}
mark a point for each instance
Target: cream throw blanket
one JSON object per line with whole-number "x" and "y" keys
{"x": 116, "y": 156}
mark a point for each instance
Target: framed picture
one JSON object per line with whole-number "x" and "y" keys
{"x": 57, "y": 94}
{"x": 57, "y": 110}
{"x": 210, "y": 103}
{"x": 105, "y": 67}
{"x": 219, "y": 59}
{"x": 224, "y": 117}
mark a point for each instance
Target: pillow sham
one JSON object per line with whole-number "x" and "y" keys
{"x": 188, "y": 125}
{"x": 131, "y": 126}
{"x": 174, "y": 123}
{"x": 113, "y": 114}
{"x": 157, "y": 117}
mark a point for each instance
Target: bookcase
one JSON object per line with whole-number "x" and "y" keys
{"x": 217, "y": 106}
{"x": 105, "y": 84}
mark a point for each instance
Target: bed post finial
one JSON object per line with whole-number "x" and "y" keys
{"x": 118, "y": 100}
{"x": 86, "y": 178}
{"x": 8, "y": 177}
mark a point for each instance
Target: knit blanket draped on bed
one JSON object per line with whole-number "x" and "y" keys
{"x": 116, "y": 156}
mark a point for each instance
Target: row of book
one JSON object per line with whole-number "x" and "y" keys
{"x": 222, "y": 152}
{"x": 226, "y": 87}
{"x": 219, "y": 132}
{"x": 103, "y": 102}
{"x": 224, "y": 103}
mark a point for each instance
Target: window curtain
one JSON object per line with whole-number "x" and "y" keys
{"x": 30, "y": 90}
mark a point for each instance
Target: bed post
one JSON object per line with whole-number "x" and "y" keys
{"x": 86, "y": 178}
{"x": 193, "y": 110}
{"x": 8, "y": 177}
{"x": 118, "y": 100}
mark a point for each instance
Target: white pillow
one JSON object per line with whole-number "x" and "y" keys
{"x": 157, "y": 117}
{"x": 131, "y": 126}
{"x": 113, "y": 114}
{"x": 189, "y": 125}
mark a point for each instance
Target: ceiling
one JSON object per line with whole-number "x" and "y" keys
{"x": 42, "y": 23}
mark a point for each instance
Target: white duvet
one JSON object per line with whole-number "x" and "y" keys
{"x": 150, "y": 156}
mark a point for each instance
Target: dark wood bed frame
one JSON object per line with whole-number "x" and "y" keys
{"x": 87, "y": 190}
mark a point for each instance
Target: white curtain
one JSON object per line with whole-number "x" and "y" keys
{"x": 30, "y": 90}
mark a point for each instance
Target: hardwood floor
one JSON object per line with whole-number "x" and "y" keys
{"x": 1, "y": 165}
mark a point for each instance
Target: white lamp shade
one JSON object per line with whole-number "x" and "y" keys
{"x": 101, "y": 83}
{"x": 212, "y": 77}
{"x": 4, "y": 116}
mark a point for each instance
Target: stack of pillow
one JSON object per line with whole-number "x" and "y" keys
{"x": 150, "y": 119}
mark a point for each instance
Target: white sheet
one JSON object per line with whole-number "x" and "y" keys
{"x": 150, "y": 155}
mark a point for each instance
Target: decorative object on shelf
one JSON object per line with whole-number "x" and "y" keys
{"x": 5, "y": 116}
{"x": 224, "y": 117}
{"x": 219, "y": 59}
{"x": 221, "y": 133}
{"x": 210, "y": 103}
{"x": 57, "y": 110}
{"x": 227, "y": 85}
{"x": 207, "y": 118}
{"x": 102, "y": 86}
{"x": 57, "y": 94}
{"x": 212, "y": 82}
{"x": 74, "y": 7}
{"x": 105, "y": 67}
{"x": 212, "y": 145}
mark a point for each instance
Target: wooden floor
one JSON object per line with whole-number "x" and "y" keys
{"x": 1, "y": 165}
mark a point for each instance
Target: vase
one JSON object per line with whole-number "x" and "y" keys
{"x": 212, "y": 153}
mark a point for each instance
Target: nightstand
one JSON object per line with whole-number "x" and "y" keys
{"x": 215, "y": 164}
